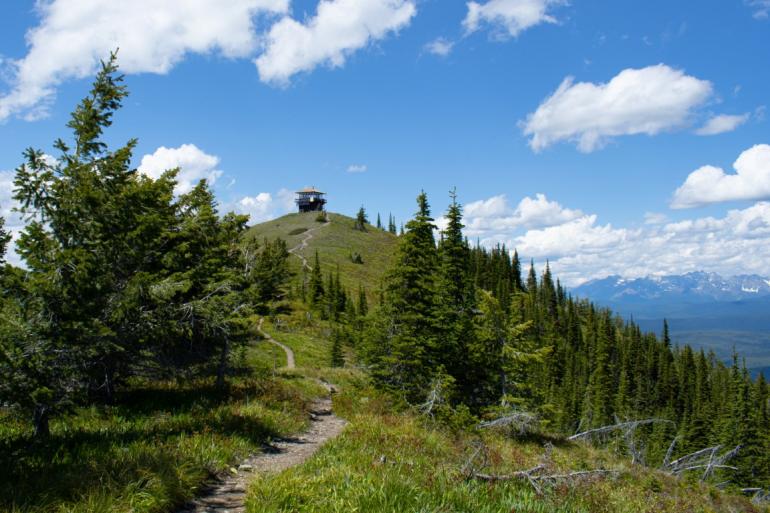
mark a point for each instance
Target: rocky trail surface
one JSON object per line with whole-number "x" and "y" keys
{"x": 228, "y": 494}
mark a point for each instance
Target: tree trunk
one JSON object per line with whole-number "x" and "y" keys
{"x": 222, "y": 370}
{"x": 109, "y": 385}
{"x": 40, "y": 421}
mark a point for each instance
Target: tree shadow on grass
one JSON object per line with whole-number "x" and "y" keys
{"x": 136, "y": 443}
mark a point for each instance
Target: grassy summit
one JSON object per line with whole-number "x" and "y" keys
{"x": 336, "y": 241}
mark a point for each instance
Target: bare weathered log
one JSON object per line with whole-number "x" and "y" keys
{"x": 707, "y": 459}
{"x": 521, "y": 421}
{"x": 536, "y": 480}
{"x": 632, "y": 424}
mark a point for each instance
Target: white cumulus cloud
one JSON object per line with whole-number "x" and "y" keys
{"x": 338, "y": 28}
{"x": 439, "y": 46}
{"x": 153, "y": 36}
{"x": 710, "y": 184}
{"x": 723, "y": 123}
{"x": 636, "y": 101}
{"x": 264, "y": 206}
{"x": 508, "y": 18}
{"x": 495, "y": 216}
{"x": 581, "y": 248}
{"x": 193, "y": 163}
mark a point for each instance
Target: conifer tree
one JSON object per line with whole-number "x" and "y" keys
{"x": 363, "y": 304}
{"x": 336, "y": 358}
{"x": 403, "y": 332}
{"x": 599, "y": 403}
{"x": 391, "y": 224}
{"x": 91, "y": 245}
{"x": 379, "y": 222}
{"x": 516, "y": 272}
{"x": 315, "y": 285}
{"x": 455, "y": 300}
{"x": 361, "y": 220}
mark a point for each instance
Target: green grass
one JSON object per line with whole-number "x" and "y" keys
{"x": 312, "y": 348}
{"x": 153, "y": 449}
{"x": 393, "y": 462}
{"x": 335, "y": 242}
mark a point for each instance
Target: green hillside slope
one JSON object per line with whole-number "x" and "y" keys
{"x": 336, "y": 241}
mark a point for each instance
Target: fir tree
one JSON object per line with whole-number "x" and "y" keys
{"x": 336, "y": 358}
{"x": 92, "y": 244}
{"x": 400, "y": 341}
{"x": 361, "y": 220}
{"x": 455, "y": 300}
{"x": 316, "y": 286}
{"x": 363, "y": 305}
{"x": 379, "y": 222}
{"x": 391, "y": 224}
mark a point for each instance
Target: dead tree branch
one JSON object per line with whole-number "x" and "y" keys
{"x": 534, "y": 476}
{"x": 522, "y": 422}
{"x": 708, "y": 459}
{"x": 621, "y": 426}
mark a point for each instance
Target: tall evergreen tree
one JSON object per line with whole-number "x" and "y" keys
{"x": 455, "y": 300}
{"x": 336, "y": 357}
{"x": 92, "y": 246}
{"x": 403, "y": 332}
{"x": 391, "y": 224}
{"x": 316, "y": 285}
{"x": 363, "y": 305}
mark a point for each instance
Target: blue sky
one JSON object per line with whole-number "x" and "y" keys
{"x": 267, "y": 96}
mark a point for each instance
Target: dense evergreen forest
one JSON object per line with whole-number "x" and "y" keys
{"x": 460, "y": 324}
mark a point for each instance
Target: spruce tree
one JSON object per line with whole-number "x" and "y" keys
{"x": 92, "y": 247}
{"x": 599, "y": 403}
{"x": 403, "y": 332}
{"x": 336, "y": 358}
{"x": 315, "y": 285}
{"x": 363, "y": 305}
{"x": 391, "y": 224}
{"x": 455, "y": 301}
{"x": 379, "y": 222}
{"x": 361, "y": 220}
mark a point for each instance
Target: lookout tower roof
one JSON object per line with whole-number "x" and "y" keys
{"x": 310, "y": 190}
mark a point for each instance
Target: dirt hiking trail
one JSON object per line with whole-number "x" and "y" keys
{"x": 228, "y": 494}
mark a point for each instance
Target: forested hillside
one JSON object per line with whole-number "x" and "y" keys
{"x": 460, "y": 325}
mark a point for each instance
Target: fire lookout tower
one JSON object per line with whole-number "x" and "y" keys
{"x": 310, "y": 200}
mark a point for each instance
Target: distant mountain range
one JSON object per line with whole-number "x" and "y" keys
{"x": 694, "y": 287}
{"x": 703, "y": 309}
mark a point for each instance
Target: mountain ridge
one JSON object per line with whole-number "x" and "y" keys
{"x": 695, "y": 286}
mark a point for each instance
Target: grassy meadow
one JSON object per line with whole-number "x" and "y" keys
{"x": 153, "y": 449}
{"x": 336, "y": 242}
